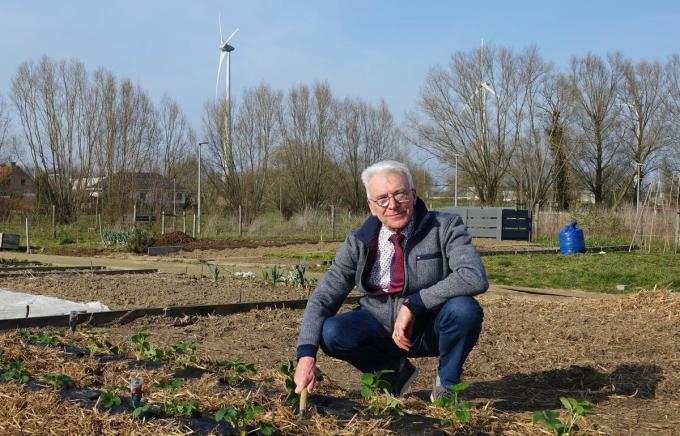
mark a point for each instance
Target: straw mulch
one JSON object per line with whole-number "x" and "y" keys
{"x": 621, "y": 354}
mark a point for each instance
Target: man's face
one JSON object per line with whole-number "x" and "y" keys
{"x": 395, "y": 216}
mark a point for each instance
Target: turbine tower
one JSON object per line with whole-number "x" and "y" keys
{"x": 225, "y": 50}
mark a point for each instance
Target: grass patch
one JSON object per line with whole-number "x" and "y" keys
{"x": 590, "y": 272}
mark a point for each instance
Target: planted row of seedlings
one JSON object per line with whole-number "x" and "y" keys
{"x": 176, "y": 385}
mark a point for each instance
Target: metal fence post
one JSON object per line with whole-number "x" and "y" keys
{"x": 240, "y": 220}
{"x": 54, "y": 223}
{"x": 28, "y": 238}
{"x": 332, "y": 222}
{"x": 162, "y": 222}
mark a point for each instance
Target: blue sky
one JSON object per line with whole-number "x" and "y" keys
{"x": 371, "y": 49}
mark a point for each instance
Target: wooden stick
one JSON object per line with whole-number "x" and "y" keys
{"x": 303, "y": 401}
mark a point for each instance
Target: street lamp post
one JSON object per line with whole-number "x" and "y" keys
{"x": 198, "y": 232}
{"x": 455, "y": 183}
{"x": 637, "y": 195}
{"x": 638, "y": 141}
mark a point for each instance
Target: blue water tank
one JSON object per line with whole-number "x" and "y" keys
{"x": 571, "y": 239}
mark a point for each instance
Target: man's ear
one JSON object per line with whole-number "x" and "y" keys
{"x": 370, "y": 208}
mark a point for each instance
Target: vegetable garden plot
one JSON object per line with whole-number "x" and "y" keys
{"x": 619, "y": 354}
{"x": 97, "y": 386}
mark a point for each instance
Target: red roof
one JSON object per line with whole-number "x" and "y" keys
{"x": 5, "y": 171}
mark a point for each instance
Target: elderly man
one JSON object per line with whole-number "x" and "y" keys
{"x": 419, "y": 271}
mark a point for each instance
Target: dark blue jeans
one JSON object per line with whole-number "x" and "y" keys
{"x": 450, "y": 333}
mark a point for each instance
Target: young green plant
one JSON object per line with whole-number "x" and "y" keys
{"x": 288, "y": 371}
{"x": 110, "y": 397}
{"x": 142, "y": 348}
{"x": 179, "y": 407}
{"x": 97, "y": 341}
{"x": 240, "y": 418}
{"x": 16, "y": 370}
{"x": 58, "y": 380}
{"x": 235, "y": 371}
{"x": 214, "y": 272}
{"x": 184, "y": 353}
{"x": 457, "y": 411}
{"x": 575, "y": 409}
{"x": 376, "y": 391}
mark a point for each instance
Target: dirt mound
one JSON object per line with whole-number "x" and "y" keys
{"x": 173, "y": 239}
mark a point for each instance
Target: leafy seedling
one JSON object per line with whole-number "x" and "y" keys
{"x": 376, "y": 391}
{"x": 184, "y": 353}
{"x": 297, "y": 275}
{"x": 110, "y": 397}
{"x": 214, "y": 272}
{"x": 235, "y": 371}
{"x": 142, "y": 348}
{"x": 574, "y": 410}
{"x": 457, "y": 411}
{"x": 274, "y": 276}
{"x": 177, "y": 407}
{"x": 288, "y": 371}
{"x": 42, "y": 338}
{"x": 97, "y": 341}
{"x": 16, "y": 370}
{"x": 58, "y": 380}
{"x": 242, "y": 417}
{"x": 141, "y": 410}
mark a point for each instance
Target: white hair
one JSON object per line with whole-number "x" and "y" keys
{"x": 384, "y": 167}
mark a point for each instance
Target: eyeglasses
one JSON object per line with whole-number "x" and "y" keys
{"x": 399, "y": 197}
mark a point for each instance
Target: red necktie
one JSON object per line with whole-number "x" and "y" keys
{"x": 397, "y": 265}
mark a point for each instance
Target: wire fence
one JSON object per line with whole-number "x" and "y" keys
{"x": 649, "y": 228}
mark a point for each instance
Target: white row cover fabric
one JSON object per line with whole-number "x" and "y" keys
{"x": 13, "y": 305}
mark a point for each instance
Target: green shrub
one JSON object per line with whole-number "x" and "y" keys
{"x": 66, "y": 240}
{"x": 140, "y": 240}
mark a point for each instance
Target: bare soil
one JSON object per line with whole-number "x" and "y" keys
{"x": 622, "y": 354}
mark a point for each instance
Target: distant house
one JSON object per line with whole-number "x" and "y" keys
{"x": 17, "y": 188}
{"x": 148, "y": 189}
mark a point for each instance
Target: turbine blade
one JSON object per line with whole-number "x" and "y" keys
{"x": 219, "y": 68}
{"x": 231, "y": 36}
{"x": 487, "y": 87}
{"x": 219, "y": 22}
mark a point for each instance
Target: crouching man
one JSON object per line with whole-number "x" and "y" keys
{"x": 419, "y": 271}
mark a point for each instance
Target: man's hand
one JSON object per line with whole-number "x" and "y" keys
{"x": 305, "y": 376}
{"x": 403, "y": 328}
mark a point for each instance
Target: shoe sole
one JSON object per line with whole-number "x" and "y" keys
{"x": 407, "y": 385}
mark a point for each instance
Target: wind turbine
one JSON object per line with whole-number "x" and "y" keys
{"x": 225, "y": 50}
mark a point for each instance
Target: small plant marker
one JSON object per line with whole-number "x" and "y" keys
{"x": 136, "y": 385}
{"x": 73, "y": 320}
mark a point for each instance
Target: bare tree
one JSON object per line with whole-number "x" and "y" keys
{"x": 307, "y": 125}
{"x": 470, "y": 110}
{"x": 645, "y": 119}
{"x": 175, "y": 136}
{"x": 242, "y": 175}
{"x": 364, "y": 135}
{"x": 557, "y": 111}
{"x": 126, "y": 144}
{"x": 595, "y": 85}
{"x": 60, "y": 117}
{"x": 5, "y": 121}
{"x": 532, "y": 161}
